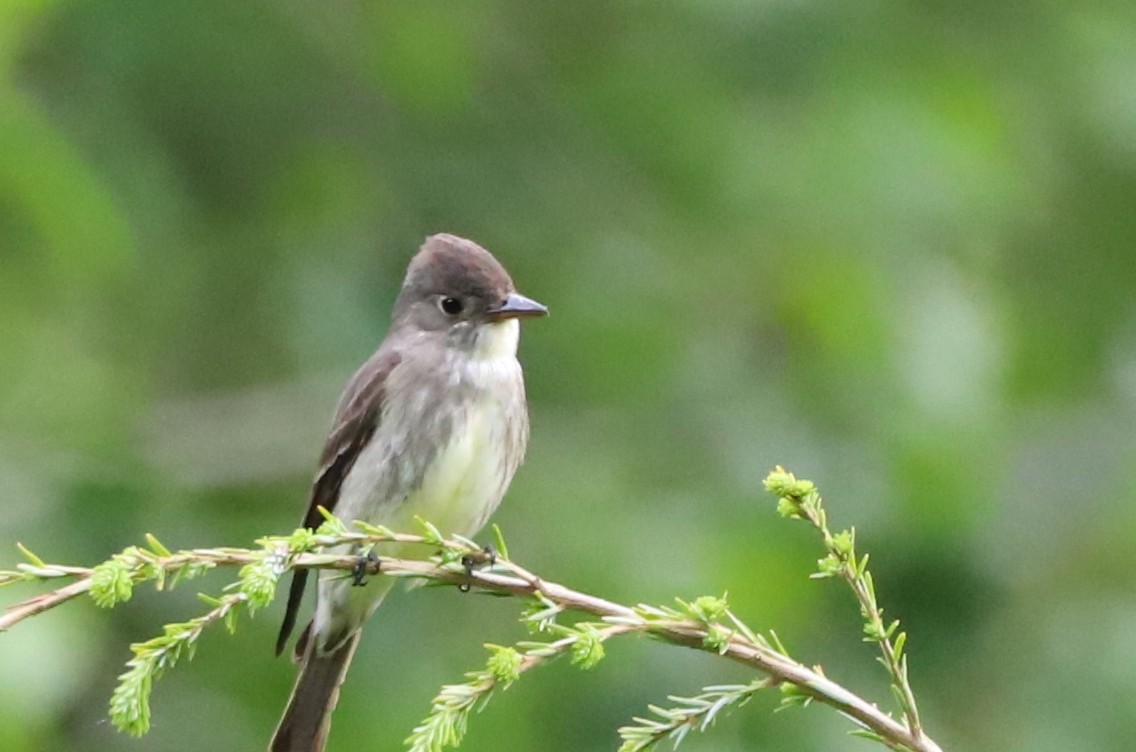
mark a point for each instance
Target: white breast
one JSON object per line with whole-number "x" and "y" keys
{"x": 467, "y": 478}
{"x": 462, "y": 484}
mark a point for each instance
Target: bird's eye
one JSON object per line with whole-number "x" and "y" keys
{"x": 451, "y": 306}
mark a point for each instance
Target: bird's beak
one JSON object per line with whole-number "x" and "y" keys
{"x": 517, "y": 306}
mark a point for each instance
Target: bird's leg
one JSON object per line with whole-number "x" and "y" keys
{"x": 368, "y": 562}
{"x": 486, "y": 557}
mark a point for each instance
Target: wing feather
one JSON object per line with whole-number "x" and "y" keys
{"x": 356, "y": 419}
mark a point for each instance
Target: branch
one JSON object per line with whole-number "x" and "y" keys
{"x": 799, "y": 499}
{"x": 20, "y": 611}
{"x": 703, "y": 624}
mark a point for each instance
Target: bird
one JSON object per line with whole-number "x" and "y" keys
{"x": 433, "y": 425}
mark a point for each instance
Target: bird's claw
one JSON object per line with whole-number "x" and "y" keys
{"x": 363, "y": 565}
{"x": 486, "y": 557}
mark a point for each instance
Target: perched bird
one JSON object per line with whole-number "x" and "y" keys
{"x": 433, "y": 425}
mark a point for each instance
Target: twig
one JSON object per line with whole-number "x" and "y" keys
{"x": 279, "y": 554}
{"x": 800, "y": 499}
{"x": 20, "y": 611}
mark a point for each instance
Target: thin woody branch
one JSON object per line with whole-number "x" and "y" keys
{"x": 502, "y": 577}
{"x": 18, "y": 612}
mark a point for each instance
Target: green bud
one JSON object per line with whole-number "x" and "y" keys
{"x": 504, "y": 664}
{"x": 801, "y": 489}
{"x": 111, "y": 583}
{"x": 588, "y": 649}
{"x": 788, "y": 689}
{"x": 709, "y": 607}
{"x": 843, "y": 542}
{"x": 778, "y": 480}
{"x": 787, "y": 507}
{"x": 792, "y": 695}
{"x": 451, "y": 555}
{"x": 258, "y": 583}
{"x": 717, "y": 638}
{"x": 784, "y": 483}
{"x": 331, "y": 527}
{"x": 303, "y": 539}
{"x": 829, "y": 566}
{"x": 874, "y": 632}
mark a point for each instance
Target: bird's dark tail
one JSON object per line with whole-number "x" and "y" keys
{"x": 307, "y": 718}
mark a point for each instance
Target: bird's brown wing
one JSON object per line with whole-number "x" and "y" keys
{"x": 355, "y": 422}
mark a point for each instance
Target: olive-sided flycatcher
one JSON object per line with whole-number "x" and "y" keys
{"x": 433, "y": 425}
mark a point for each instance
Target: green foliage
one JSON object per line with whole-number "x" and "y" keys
{"x": 805, "y": 503}
{"x": 331, "y": 526}
{"x": 130, "y": 702}
{"x": 697, "y": 623}
{"x": 430, "y": 534}
{"x": 689, "y": 714}
{"x": 793, "y": 696}
{"x": 303, "y": 539}
{"x": 258, "y": 583}
{"x": 449, "y": 714}
{"x": 111, "y": 583}
{"x": 504, "y": 664}
{"x": 448, "y": 720}
{"x": 892, "y": 240}
{"x": 587, "y": 649}
{"x": 706, "y": 608}
{"x": 447, "y": 723}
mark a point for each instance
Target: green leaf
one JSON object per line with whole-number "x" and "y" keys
{"x": 157, "y": 547}
{"x": 377, "y": 530}
{"x": 32, "y": 558}
{"x": 499, "y": 542}
{"x": 792, "y": 696}
{"x": 900, "y": 641}
{"x": 430, "y": 534}
{"x": 331, "y": 525}
{"x": 866, "y": 734}
{"x": 777, "y": 643}
{"x": 209, "y": 600}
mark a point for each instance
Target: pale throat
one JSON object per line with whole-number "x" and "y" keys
{"x": 497, "y": 341}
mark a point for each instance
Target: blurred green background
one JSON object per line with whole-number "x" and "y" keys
{"x": 890, "y": 246}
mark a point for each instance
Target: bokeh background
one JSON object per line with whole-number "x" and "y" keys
{"x": 891, "y": 246}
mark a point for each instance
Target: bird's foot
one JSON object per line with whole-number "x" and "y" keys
{"x": 368, "y": 563}
{"x": 486, "y": 557}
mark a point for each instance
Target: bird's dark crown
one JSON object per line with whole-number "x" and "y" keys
{"x": 449, "y": 265}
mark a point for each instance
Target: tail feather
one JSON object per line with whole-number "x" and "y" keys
{"x": 307, "y": 719}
